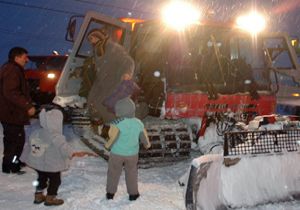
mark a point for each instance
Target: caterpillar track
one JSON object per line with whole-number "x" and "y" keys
{"x": 170, "y": 140}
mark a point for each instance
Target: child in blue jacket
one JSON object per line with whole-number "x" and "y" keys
{"x": 125, "y": 134}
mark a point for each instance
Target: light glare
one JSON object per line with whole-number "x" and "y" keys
{"x": 295, "y": 94}
{"x": 179, "y": 14}
{"x": 253, "y": 22}
{"x": 35, "y": 183}
{"x": 51, "y": 76}
{"x": 157, "y": 74}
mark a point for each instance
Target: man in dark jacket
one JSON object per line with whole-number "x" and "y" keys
{"x": 15, "y": 108}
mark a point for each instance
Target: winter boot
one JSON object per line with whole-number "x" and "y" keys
{"x": 12, "y": 168}
{"x": 51, "y": 200}
{"x": 39, "y": 197}
{"x": 16, "y": 169}
{"x": 134, "y": 197}
{"x": 6, "y": 168}
{"x": 110, "y": 196}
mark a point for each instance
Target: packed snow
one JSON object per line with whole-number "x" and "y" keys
{"x": 83, "y": 185}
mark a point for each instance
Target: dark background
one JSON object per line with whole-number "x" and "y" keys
{"x": 40, "y": 25}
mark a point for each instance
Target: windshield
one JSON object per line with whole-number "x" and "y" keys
{"x": 202, "y": 57}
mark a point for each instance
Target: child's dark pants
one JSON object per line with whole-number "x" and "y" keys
{"x": 48, "y": 179}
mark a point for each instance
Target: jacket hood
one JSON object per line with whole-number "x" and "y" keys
{"x": 51, "y": 120}
{"x": 125, "y": 108}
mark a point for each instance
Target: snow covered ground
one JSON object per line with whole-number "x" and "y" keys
{"x": 83, "y": 186}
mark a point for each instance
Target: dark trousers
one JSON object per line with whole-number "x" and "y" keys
{"x": 13, "y": 141}
{"x": 49, "y": 180}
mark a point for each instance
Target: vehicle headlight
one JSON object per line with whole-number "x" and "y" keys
{"x": 50, "y": 75}
{"x": 295, "y": 94}
{"x": 179, "y": 14}
{"x": 252, "y": 22}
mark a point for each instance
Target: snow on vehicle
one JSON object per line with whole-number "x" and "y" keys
{"x": 189, "y": 74}
{"x": 42, "y": 74}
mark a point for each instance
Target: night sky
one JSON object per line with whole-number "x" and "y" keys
{"x": 40, "y": 25}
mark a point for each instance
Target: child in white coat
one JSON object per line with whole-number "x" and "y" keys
{"x": 49, "y": 154}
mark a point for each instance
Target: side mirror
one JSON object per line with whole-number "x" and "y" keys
{"x": 72, "y": 28}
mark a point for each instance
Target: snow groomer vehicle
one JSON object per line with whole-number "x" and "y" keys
{"x": 192, "y": 72}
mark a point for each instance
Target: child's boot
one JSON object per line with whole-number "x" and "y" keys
{"x": 110, "y": 196}
{"x": 39, "y": 197}
{"x": 134, "y": 197}
{"x": 51, "y": 200}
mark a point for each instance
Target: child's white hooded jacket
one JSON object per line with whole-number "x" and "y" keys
{"x": 47, "y": 149}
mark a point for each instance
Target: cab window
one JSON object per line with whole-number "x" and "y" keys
{"x": 278, "y": 53}
{"x": 115, "y": 34}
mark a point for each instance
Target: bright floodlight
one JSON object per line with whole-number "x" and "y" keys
{"x": 179, "y": 14}
{"x": 253, "y": 22}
